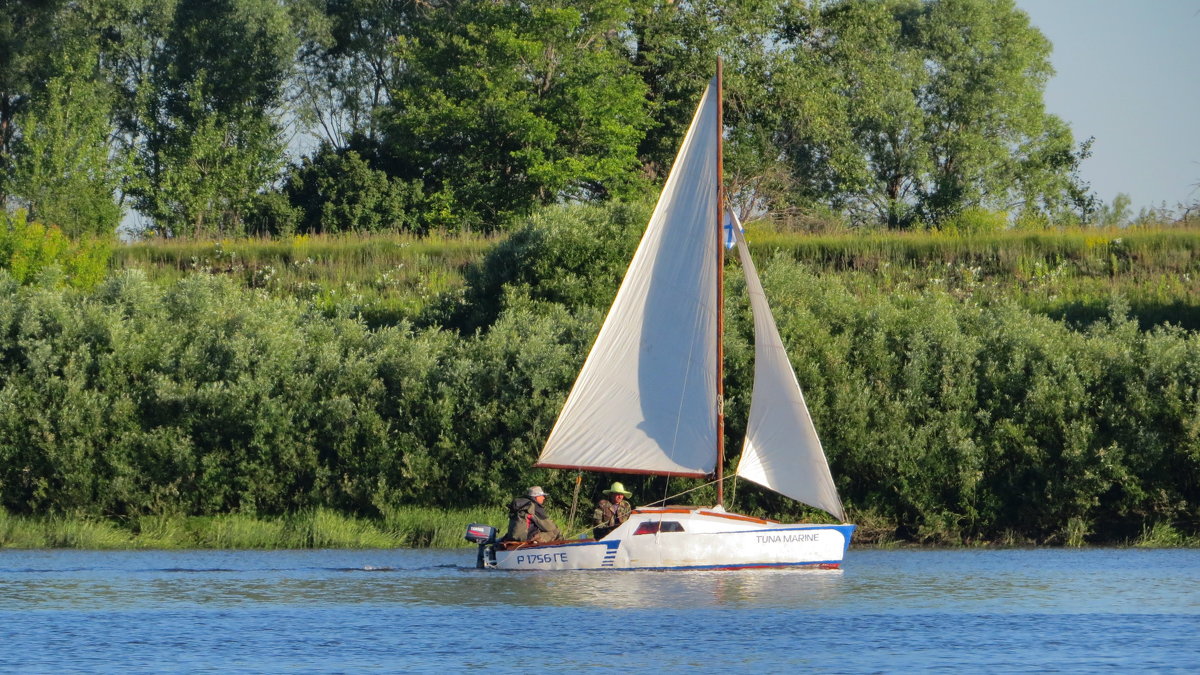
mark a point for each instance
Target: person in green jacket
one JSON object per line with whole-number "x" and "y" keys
{"x": 527, "y": 519}
{"x": 611, "y": 512}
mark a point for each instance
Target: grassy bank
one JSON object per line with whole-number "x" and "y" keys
{"x": 382, "y": 276}
{"x": 1067, "y": 274}
{"x": 1023, "y": 388}
{"x": 411, "y": 527}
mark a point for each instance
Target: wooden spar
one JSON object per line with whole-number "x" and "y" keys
{"x": 720, "y": 296}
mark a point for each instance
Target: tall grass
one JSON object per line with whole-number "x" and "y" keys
{"x": 1067, "y": 274}
{"x": 1164, "y": 535}
{"x": 1089, "y": 251}
{"x": 402, "y": 527}
{"x": 378, "y": 276}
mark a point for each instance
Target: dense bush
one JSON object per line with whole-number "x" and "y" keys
{"x": 338, "y": 191}
{"x": 950, "y": 411}
{"x": 957, "y": 420}
{"x": 573, "y": 257}
{"x": 29, "y": 249}
{"x": 208, "y": 398}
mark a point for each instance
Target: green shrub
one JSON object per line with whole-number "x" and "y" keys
{"x": 28, "y": 249}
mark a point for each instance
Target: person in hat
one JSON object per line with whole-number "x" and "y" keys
{"x": 527, "y": 519}
{"x": 611, "y": 512}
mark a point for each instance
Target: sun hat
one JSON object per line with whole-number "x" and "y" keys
{"x": 536, "y": 491}
{"x": 619, "y": 488}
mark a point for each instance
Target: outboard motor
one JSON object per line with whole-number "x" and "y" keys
{"x": 485, "y": 536}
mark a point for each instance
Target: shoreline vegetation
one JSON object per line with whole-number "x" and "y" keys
{"x": 988, "y": 352}
{"x": 405, "y": 527}
{"x": 1013, "y": 387}
{"x": 410, "y": 527}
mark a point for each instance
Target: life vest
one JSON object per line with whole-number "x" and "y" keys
{"x": 520, "y": 520}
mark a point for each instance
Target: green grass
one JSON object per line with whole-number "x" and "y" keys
{"x": 404, "y": 527}
{"x": 1164, "y": 535}
{"x": 384, "y": 276}
{"x": 1068, "y": 274}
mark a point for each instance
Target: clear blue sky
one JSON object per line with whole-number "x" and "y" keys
{"x": 1128, "y": 73}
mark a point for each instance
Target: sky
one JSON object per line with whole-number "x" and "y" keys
{"x": 1128, "y": 74}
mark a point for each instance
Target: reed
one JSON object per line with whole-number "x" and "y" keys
{"x": 401, "y": 527}
{"x": 61, "y": 532}
{"x": 1164, "y": 535}
{"x": 383, "y": 276}
{"x": 426, "y": 527}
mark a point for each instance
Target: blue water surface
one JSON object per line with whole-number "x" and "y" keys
{"x": 1093, "y": 610}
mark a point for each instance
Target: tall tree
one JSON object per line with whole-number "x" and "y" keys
{"x": 34, "y": 35}
{"x": 67, "y": 169}
{"x": 212, "y": 123}
{"x": 505, "y": 105}
{"x": 348, "y": 64}
{"x": 905, "y": 111}
{"x": 674, "y": 47}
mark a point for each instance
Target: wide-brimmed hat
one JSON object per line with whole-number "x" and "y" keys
{"x": 536, "y": 491}
{"x": 618, "y": 489}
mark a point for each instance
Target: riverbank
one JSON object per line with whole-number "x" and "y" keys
{"x": 411, "y": 527}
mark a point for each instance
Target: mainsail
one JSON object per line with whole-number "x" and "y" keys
{"x": 781, "y": 451}
{"x": 645, "y": 401}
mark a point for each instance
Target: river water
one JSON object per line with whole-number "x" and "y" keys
{"x": 1117, "y": 610}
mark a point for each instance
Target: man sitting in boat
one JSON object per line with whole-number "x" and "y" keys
{"x": 527, "y": 519}
{"x": 611, "y": 512}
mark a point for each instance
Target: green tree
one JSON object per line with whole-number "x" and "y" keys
{"x": 26, "y": 35}
{"x": 38, "y": 40}
{"x": 905, "y": 111}
{"x": 212, "y": 103}
{"x": 503, "y": 106}
{"x": 336, "y": 191}
{"x": 348, "y": 64}
{"x": 674, "y": 47}
{"x": 66, "y": 168}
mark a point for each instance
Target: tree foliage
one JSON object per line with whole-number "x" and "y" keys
{"x": 67, "y": 168}
{"x": 212, "y": 137}
{"x": 503, "y": 106}
{"x": 338, "y": 191}
{"x": 348, "y": 66}
{"x": 904, "y": 111}
{"x": 901, "y": 112}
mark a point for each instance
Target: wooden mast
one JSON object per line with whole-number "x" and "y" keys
{"x": 720, "y": 295}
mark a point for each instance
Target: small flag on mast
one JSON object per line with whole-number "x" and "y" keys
{"x": 730, "y": 221}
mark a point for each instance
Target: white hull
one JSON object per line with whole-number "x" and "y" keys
{"x": 685, "y": 538}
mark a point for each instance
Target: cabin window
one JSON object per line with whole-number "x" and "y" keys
{"x": 659, "y": 526}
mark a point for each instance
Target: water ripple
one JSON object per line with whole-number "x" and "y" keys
{"x": 341, "y": 611}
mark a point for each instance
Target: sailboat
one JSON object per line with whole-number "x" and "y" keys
{"x": 648, "y": 400}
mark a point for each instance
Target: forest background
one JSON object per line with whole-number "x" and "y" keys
{"x": 391, "y": 321}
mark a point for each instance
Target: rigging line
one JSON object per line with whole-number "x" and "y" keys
{"x": 574, "y": 501}
{"x": 698, "y": 487}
